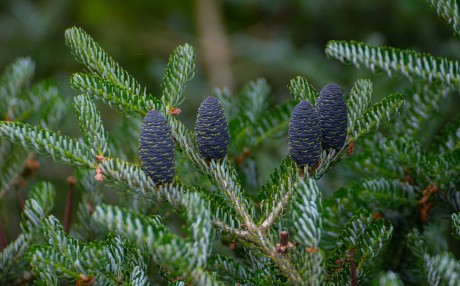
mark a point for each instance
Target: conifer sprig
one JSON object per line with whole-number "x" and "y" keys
{"x": 359, "y": 101}
{"x": 119, "y": 98}
{"x": 424, "y": 103}
{"x": 91, "y": 125}
{"x": 391, "y": 60}
{"x": 180, "y": 69}
{"x": 376, "y": 115}
{"x": 302, "y": 90}
{"x": 98, "y": 62}
{"x": 37, "y": 206}
{"x": 60, "y": 148}
{"x": 252, "y": 100}
{"x": 448, "y": 10}
{"x": 456, "y": 224}
{"x": 307, "y": 214}
{"x": 14, "y": 79}
{"x": 440, "y": 269}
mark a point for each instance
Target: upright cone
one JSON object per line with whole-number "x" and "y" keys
{"x": 156, "y": 148}
{"x": 332, "y": 112}
{"x": 304, "y": 135}
{"x": 211, "y": 130}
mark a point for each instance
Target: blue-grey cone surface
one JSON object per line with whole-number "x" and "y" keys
{"x": 304, "y": 135}
{"x": 156, "y": 148}
{"x": 332, "y": 113}
{"x": 211, "y": 129}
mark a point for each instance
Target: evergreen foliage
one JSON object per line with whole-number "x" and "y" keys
{"x": 288, "y": 231}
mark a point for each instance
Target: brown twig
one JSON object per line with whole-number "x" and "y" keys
{"x": 353, "y": 273}
{"x": 71, "y": 181}
{"x": 284, "y": 244}
{"x": 2, "y": 236}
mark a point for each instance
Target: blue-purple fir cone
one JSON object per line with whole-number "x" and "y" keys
{"x": 304, "y": 135}
{"x": 211, "y": 130}
{"x": 332, "y": 112}
{"x": 156, "y": 148}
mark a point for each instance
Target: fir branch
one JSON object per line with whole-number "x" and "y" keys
{"x": 442, "y": 269}
{"x": 243, "y": 234}
{"x": 33, "y": 102}
{"x": 311, "y": 264}
{"x": 407, "y": 152}
{"x": 37, "y": 206}
{"x": 118, "y": 97}
{"x": 372, "y": 241}
{"x": 199, "y": 219}
{"x": 423, "y": 105}
{"x": 385, "y": 192}
{"x": 229, "y": 270}
{"x": 89, "y": 53}
{"x": 134, "y": 177}
{"x": 355, "y": 227}
{"x": 226, "y": 178}
{"x": 86, "y": 229}
{"x": 168, "y": 249}
{"x": 225, "y": 98}
{"x": 247, "y": 134}
{"x": 91, "y": 125}
{"x": 306, "y": 214}
{"x": 302, "y": 90}
{"x": 60, "y": 148}
{"x": 358, "y": 102}
{"x": 456, "y": 224}
{"x": 361, "y": 240}
{"x": 10, "y": 167}
{"x": 252, "y": 100}
{"x": 449, "y": 139}
{"x": 442, "y": 169}
{"x": 391, "y": 60}
{"x": 277, "y": 184}
{"x": 448, "y": 10}
{"x": 373, "y": 160}
{"x": 66, "y": 257}
{"x": 13, "y": 80}
{"x": 180, "y": 69}
{"x": 375, "y": 116}
{"x": 272, "y": 124}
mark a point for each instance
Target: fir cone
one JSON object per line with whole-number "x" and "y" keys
{"x": 332, "y": 113}
{"x": 156, "y": 148}
{"x": 304, "y": 135}
{"x": 211, "y": 130}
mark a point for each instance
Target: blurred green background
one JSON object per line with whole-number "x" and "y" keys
{"x": 236, "y": 41}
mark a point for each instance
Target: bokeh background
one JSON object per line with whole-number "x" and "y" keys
{"x": 236, "y": 41}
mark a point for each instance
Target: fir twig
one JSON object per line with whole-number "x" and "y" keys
{"x": 448, "y": 10}
{"x": 391, "y": 60}
{"x": 69, "y": 203}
